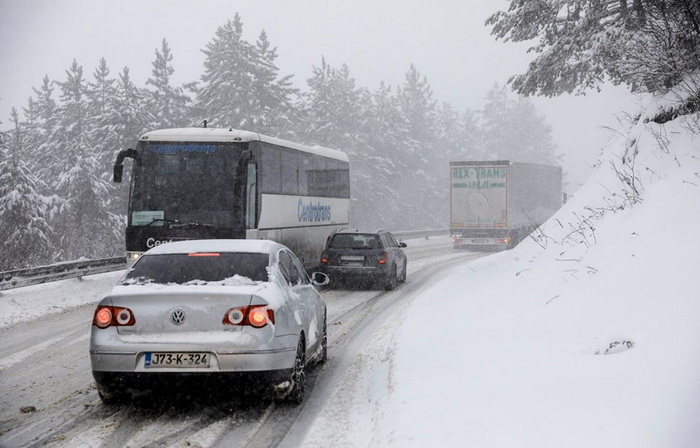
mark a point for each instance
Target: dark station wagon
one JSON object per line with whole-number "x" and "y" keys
{"x": 364, "y": 257}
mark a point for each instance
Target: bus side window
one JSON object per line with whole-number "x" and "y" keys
{"x": 305, "y": 166}
{"x": 271, "y": 170}
{"x": 290, "y": 170}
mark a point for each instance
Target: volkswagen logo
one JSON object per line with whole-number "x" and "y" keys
{"x": 178, "y": 317}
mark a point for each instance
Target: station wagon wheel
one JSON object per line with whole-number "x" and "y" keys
{"x": 391, "y": 279}
{"x": 402, "y": 279}
{"x": 296, "y": 395}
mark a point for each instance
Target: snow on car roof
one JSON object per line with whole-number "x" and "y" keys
{"x": 191, "y": 246}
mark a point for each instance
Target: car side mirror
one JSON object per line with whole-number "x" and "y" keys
{"x": 320, "y": 279}
{"x": 402, "y": 244}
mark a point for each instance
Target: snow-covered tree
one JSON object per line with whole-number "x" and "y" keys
{"x": 130, "y": 117}
{"x": 25, "y": 235}
{"x": 333, "y": 108}
{"x": 241, "y": 86}
{"x": 649, "y": 45}
{"x": 376, "y": 173}
{"x": 101, "y": 132}
{"x": 39, "y": 119}
{"x": 272, "y": 109}
{"x": 422, "y": 180}
{"x": 82, "y": 222}
{"x": 168, "y": 103}
{"x": 418, "y": 107}
{"x": 514, "y": 130}
{"x": 227, "y": 91}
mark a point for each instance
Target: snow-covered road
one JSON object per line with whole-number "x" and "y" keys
{"x": 48, "y": 399}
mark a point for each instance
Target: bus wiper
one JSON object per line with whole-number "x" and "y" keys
{"x": 190, "y": 225}
{"x": 167, "y": 221}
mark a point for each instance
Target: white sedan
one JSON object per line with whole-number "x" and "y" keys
{"x": 240, "y": 313}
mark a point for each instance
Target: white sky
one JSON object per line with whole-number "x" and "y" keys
{"x": 446, "y": 40}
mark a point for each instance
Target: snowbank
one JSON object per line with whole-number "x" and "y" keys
{"x": 588, "y": 335}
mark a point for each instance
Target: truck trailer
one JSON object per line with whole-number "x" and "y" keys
{"x": 496, "y": 204}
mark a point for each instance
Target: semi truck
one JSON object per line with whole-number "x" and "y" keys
{"x": 496, "y": 204}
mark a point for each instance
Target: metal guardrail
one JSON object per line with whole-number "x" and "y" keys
{"x": 71, "y": 269}
{"x": 59, "y": 271}
{"x": 420, "y": 233}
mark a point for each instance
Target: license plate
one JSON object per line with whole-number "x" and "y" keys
{"x": 352, "y": 257}
{"x": 481, "y": 241}
{"x": 176, "y": 359}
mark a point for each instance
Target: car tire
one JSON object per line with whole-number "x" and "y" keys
{"x": 324, "y": 344}
{"x": 391, "y": 279}
{"x": 113, "y": 399}
{"x": 298, "y": 379}
{"x": 402, "y": 279}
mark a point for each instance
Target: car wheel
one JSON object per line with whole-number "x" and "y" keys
{"x": 391, "y": 279}
{"x": 402, "y": 279}
{"x": 298, "y": 379}
{"x": 324, "y": 344}
{"x": 112, "y": 399}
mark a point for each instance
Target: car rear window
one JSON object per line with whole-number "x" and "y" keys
{"x": 355, "y": 241}
{"x": 183, "y": 268}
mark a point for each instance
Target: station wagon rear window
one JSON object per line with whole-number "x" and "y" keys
{"x": 355, "y": 241}
{"x": 183, "y": 268}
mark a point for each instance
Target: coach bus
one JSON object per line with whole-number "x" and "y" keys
{"x": 197, "y": 183}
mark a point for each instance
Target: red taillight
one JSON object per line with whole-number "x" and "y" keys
{"x": 107, "y": 316}
{"x": 324, "y": 258}
{"x": 103, "y": 317}
{"x": 256, "y": 316}
{"x": 381, "y": 259}
{"x": 204, "y": 254}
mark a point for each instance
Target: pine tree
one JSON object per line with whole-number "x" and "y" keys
{"x": 25, "y": 236}
{"x": 130, "y": 117}
{"x": 40, "y": 117}
{"x": 376, "y": 165}
{"x": 272, "y": 108}
{"x": 423, "y": 157}
{"x": 167, "y": 102}
{"x": 226, "y": 95}
{"x": 100, "y": 131}
{"x": 83, "y": 225}
{"x": 514, "y": 130}
{"x": 333, "y": 108}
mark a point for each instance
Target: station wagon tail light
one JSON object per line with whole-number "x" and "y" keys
{"x": 107, "y": 316}
{"x": 255, "y": 316}
{"x": 324, "y": 258}
{"x": 381, "y": 259}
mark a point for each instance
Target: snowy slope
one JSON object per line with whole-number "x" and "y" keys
{"x": 510, "y": 350}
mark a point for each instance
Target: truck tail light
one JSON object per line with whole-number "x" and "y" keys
{"x": 108, "y": 316}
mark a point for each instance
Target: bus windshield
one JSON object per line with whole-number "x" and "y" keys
{"x": 187, "y": 184}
